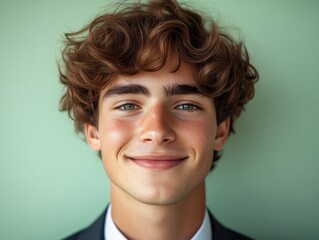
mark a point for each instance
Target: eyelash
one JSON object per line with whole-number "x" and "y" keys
{"x": 189, "y": 105}
{"x": 122, "y": 107}
{"x": 183, "y": 107}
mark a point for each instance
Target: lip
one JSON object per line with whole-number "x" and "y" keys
{"x": 160, "y": 162}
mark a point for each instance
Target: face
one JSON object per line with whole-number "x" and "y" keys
{"x": 156, "y": 134}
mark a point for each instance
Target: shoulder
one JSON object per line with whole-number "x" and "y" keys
{"x": 73, "y": 236}
{"x": 221, "y": 232}
{"x": 93, "y": 232}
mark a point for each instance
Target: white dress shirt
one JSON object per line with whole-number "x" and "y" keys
{"x": 111, "y": 232}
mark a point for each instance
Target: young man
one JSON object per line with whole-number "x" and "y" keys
{"x": 155, "y": 90}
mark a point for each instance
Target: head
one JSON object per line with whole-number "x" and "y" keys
{"x": 144, "y": 37}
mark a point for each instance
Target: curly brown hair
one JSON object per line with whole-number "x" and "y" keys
{"x": 141, "y": 36}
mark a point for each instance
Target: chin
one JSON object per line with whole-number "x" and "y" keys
{"x": 159, "y": 197}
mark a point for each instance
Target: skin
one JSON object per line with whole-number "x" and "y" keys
{"x": 157, "y": 148}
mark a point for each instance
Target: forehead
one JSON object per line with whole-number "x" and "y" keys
{"x": 168, "y": 75}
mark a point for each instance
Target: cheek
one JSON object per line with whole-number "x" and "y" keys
{"x": 114, "y": 135}
{"x": 201, "y": 138}
{"x": 114, "y": 132}
{"x": 201, "y": 134}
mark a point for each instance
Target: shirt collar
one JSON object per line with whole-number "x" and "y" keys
{"x": 205, "y": 230}
{"x": 112, "y": 232}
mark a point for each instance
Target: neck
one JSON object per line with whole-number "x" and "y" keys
{"x": 138, "y": 220}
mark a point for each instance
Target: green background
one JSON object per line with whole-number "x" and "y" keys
{"x": 266, "y": 185}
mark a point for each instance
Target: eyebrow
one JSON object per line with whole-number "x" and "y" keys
{"x": 181, "y": 89}
{"x": 171, "y": 90}
{"x": 127, "y": 89}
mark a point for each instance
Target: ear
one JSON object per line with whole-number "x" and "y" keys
{"x": 222, "y": 134}
{"x": 92, "y": 137}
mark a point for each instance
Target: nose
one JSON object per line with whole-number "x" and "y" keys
{"x": 156, "y": 127}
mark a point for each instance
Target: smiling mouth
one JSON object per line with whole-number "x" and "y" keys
{"x": 157, "y": 162}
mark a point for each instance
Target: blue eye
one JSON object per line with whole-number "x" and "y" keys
{"x": 187, "y": 107}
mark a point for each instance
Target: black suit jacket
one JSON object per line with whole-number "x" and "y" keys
{"x": 96, "y": 231}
